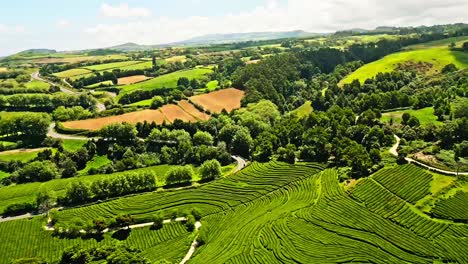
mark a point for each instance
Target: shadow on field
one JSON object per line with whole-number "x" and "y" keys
{"x": 121, "y": 234}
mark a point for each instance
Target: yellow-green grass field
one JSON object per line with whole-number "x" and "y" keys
{"x": 27, "y": 192}
{"x": 439, "y": 43}
{"x": 438, "y": 57}
{"x": 3, "y": 69}
{"x": 303, "y": 110}
{"x": 95, "y": 163}
{"x": 96, "y": 85}
{"x": 113, "y": 65}
{"x": 23, "y": 155}
{"x": 167, "y": 80}
{"x": 182, "y": 58}
{"x": 424, "y": 115}
{"x": 142, "y": 103}
{"x": 72, "y": 72}
{"x": 30, "y": 84}
{"x": 73, "y": 145}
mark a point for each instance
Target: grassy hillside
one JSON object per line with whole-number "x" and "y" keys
{"x": 437, "y": 57}
{"x": 425, "y": 116}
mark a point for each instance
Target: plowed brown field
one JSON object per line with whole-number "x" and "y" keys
{"x": 228, "y": 99}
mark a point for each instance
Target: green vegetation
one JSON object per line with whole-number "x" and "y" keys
{"x": 303, "y": 110}
{"x": 114, "y": 65}
{"x": 425, "y": 116}
{"x": 436, "y": 57}
{"x": 23, "y": 155}
{"x": 454, "y": 208}
{"x": 72, "y": 73}
{"x": 73, "y": 144}
{"x": 168, "y": 80}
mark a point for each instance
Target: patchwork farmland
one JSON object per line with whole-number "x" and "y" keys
{"x": 214, "y": 102}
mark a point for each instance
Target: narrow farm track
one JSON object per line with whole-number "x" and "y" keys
{"x": 193, "y": 246}
{"x": 394, "y": 151}
{"x": 36, "y": 76}
{"x": 241, "y": 163}
{"x": 54, "y": 134}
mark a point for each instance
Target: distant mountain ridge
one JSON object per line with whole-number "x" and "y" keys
{"x": 220, "y": 39}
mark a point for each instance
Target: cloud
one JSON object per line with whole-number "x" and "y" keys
{"x": 63, "y": 23}
{"x": 323, "y": 16}
{"x": 123, "y": 11}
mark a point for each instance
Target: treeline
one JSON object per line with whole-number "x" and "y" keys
{"x": 45, "y": 102}
{"x": 31, "y": 127}
{"x": 11, "y": 74}
{"x": 32, "y": 90}
{"x": 105, "y": 76}
{"x": 51, "y": 68}
{"x": 140, "y": 95}
{"x": 80, "y": 192}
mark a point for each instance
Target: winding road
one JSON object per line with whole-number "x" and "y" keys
{"x": 394, "y": 151}
{"x": 36, "y": 76}
{"x": 241, "y": 163}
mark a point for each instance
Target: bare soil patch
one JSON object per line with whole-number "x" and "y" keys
{"x": 417, "y": 67}
{"x": 192, "y": 110}
{"x": 228, "y": 99}
{"x": 133, "y": 118}
{"x": 132, "y": 79}
{"x": 173, "y": 112}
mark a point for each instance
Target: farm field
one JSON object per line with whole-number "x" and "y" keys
{"x": 439, "y": 43}
{"x": 75, "y": 59}
{"x": 45, "y": 244}
{"x": 3, "y": 69}
{"x": 437, "y": 57}
{"x": 27, "y": 192}
{"x": 284, "y": 211}
{"x": 72, "y": 73}
{"x": 20, "y": 154}
{"x": 132, "y": 79}
{"x": 227, "y": 99}
{"x": 167, "y": 80}
{"x": 424, "y": 115}
{"x": 215, "y": 102}
{"x": 73, "y": 144}
{"x": 113, "y": 65}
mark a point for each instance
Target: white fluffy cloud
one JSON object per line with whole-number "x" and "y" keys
{"x": 123, "y": 11}
{"x": 314, "y": 16}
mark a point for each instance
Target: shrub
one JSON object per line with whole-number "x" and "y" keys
{"x": 210, "y": 169}
{"x": 179, "y": 175}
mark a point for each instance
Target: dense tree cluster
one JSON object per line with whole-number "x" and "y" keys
{"x": 45, "y": 102}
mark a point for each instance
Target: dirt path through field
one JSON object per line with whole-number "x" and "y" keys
{"x": 394, "y": 151}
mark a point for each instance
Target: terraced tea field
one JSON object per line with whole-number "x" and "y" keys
{"x": 276, "y": 213}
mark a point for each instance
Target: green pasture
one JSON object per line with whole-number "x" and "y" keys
{"x": 424, "y": 115}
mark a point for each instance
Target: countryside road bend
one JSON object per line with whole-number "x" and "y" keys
{"x": 394, "y": 151}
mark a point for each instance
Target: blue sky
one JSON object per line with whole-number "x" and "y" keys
{"x": 71, "y": 25}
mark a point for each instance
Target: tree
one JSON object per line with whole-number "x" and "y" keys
{"x": 465, "y": 46}
{"x": 79, "y": 192}
{"x": 242, "y": 143}
{"x": 157, "y": 102}
{"x": 123, "y": 132}
{"x": 190, "y": 223}
{"x": 405, "y": 117}
{"x": 158, "y": 221}
{"x": 287, "y": 154}
{"x": 100, "y": 224}
{"x": 180, "y": 175}
{"x": 44, "y": 200}
{"x": 184, "y": 82}
{"x": 124, "y": 220}
{"x": 40, "y": 171}
{"x": 449, "y": 68}
{"x": 68, "y": 168}
{"x": 202, "y": 138}
{"x": 210, "y": 170}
